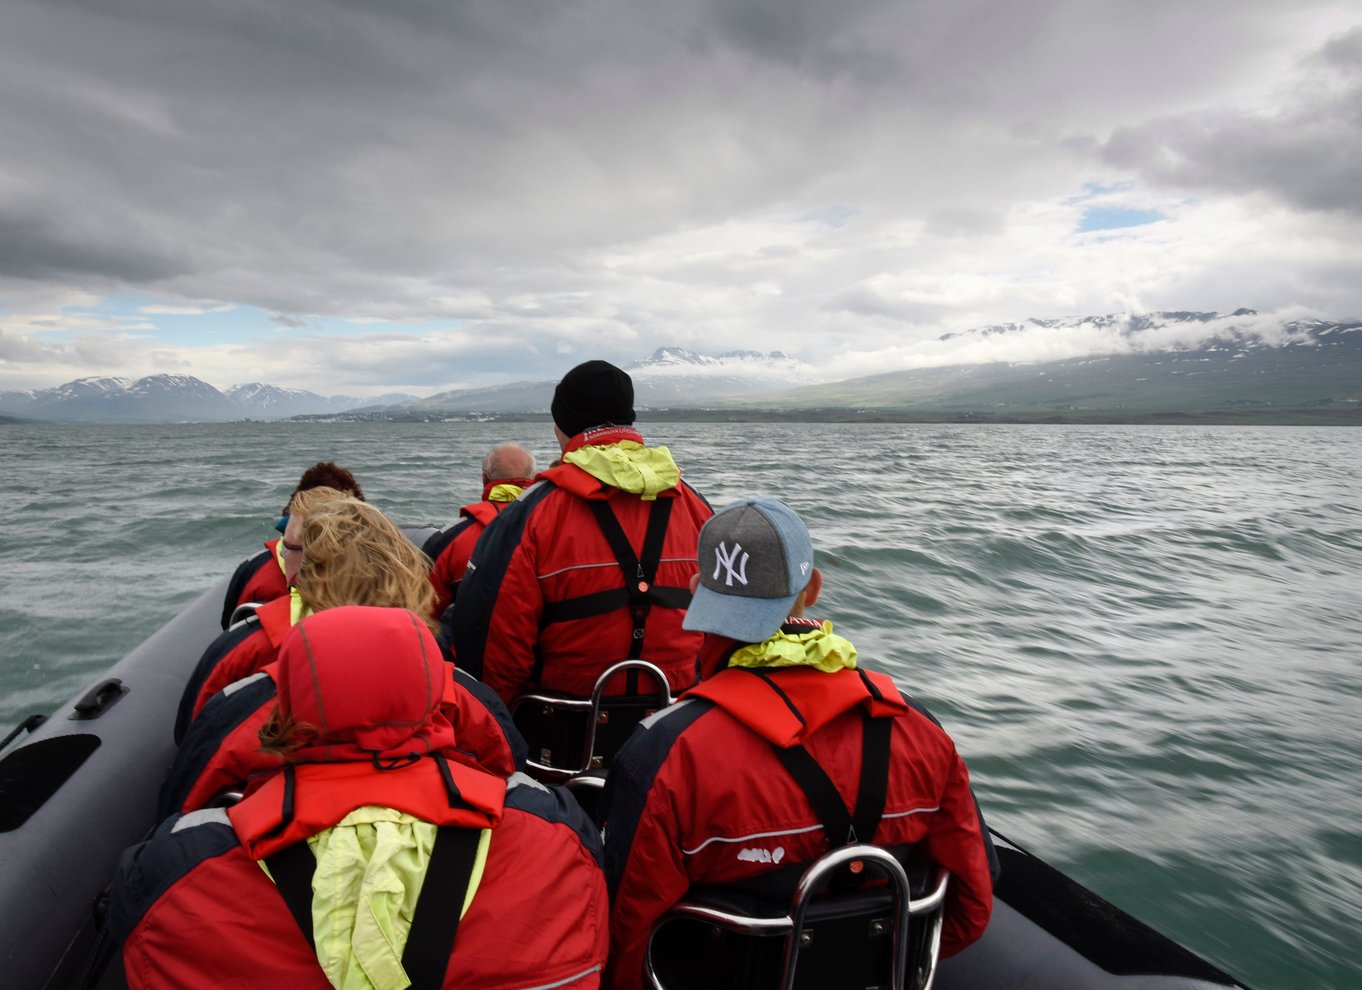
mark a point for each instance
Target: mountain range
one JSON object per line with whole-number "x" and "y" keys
{"x": 1242, "y": 371}
{"x": 172, "y": 399}
{"x": 1153, "y": 366}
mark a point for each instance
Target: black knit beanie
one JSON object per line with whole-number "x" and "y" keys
{"x": 592, "y": 394}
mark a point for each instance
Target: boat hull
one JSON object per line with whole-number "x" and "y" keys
{"x": 58, "y": 861}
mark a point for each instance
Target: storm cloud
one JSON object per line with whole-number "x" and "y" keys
{"x": 484, "y": 192}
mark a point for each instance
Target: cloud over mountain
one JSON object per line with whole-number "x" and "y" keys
{"x": 436, "y": 196}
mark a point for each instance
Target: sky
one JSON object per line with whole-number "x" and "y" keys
{"x": 419, "y": 195}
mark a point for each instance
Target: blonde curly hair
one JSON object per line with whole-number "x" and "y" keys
{"x": 355, "y": 555}
{"x": 304, "y": 502}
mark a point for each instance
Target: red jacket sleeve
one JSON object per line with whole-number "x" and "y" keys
{"x": 253, "y": 654}
{"x": 955, "y": 840}
{"x": 496, "y": 613}
{"x": 654, "y": 878}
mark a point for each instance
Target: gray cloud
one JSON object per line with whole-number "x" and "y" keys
{"x": 32, "y": 247}
{"x": 626, "y": 175}
{"x": 1307, "y": 153}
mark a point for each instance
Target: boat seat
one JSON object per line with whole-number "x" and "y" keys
{"x": 570, "y": 737}
{"x": 823, "y": 936}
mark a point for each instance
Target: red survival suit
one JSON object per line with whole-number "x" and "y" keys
{"x": 193, "y": 907}
{"x": 699, "y": 796}
{"x": 236, "y": 653}
{"x": 545, "y": 602}
{"x": 449, "y": 550}
{"x": 258, "y": 579}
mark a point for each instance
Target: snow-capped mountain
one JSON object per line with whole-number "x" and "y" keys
{"x": 261, "y": 401}
{"x": 170, "y": 399}
{"x": 675, "y": 376}
{"x": 667, "y": 358}
{"x": 86, "y": 388}
{"x": 1151, "y": 362}
{"x": 1148, "y": 364}
{"x": 154, "y": 399}
{"x": 671, "y": 377}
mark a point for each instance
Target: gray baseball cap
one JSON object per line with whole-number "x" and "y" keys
{"x": 755, "y": 558}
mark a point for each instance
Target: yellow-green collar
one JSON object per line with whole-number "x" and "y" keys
{"x": 819, "y": 648}
{"x": 628, "y": 466}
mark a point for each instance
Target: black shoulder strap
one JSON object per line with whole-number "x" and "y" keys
{"x": 639, "y": 570}
{"x": 874, "y": 787}
{"x": 436, "y": 919}
{"x": 818, "y": 787}
{"x": 292, "y": 868}
{"x": 841, "y": 827}
{"x": 639, "y": 593}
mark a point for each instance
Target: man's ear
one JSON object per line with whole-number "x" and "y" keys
{"x": 814, "y": 586}
{"x": 694, "y": 582}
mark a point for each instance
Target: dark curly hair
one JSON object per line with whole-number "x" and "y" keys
{"x": 326, "y": 474}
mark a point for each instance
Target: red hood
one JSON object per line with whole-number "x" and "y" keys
{"x": 369, "y": 680}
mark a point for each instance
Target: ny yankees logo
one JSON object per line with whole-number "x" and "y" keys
{"x": 724, "y": 558}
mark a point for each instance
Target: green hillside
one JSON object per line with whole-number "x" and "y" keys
{"x": 1321, "y": 383}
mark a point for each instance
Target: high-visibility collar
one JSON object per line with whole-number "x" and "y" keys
{"x": 276, "y": 547}
{"x": 798, "y": 643}
{"x": 505, "y": 489}
{"x": 603, "y": 460}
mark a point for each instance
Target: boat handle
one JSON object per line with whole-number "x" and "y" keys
{"x": 28, "y": 725}
{"x": 99, "y": 699}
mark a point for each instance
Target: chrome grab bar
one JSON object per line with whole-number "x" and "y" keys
{"x": 791, "y": 925}
{"x": 591, "y": 706}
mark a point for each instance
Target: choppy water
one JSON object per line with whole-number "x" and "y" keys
{"x": 1145, "y": 640}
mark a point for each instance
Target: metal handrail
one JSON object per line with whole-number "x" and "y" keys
{"x": 592, "y": 706}
{"x": 242, "y": 612}
{"x": 791, "y": 925}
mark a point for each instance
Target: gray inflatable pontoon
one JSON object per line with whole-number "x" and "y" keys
{"x": 82, "y": 786}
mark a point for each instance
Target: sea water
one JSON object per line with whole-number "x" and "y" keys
{"x": 1144, "y": 640}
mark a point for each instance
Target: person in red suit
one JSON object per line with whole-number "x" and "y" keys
{"x": 507, "y": 471}
{"x": 591, "y": 565}
{"x": 263, "y": 578}
{"x": 374, "y": 857}
{"x": 787, "y": 748}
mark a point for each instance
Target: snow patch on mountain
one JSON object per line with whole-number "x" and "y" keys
{"x": 753, "y": 367}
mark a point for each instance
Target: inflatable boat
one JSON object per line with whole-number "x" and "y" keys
{"x": 79, "y": 786}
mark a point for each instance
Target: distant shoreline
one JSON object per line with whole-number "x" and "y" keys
{"x": 1346, "y": 416}
{"x": 1333, "y": 416}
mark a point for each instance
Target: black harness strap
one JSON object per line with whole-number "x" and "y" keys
{"x": 602, "y": 602}
{"x": 843, "y": 828}
{"x": 286, "y": 804}
{"x": 292, "y": 868}
{"x": 639, "y": 594}
{"x": 456, "y": 799}
{"x": 436, "y": 919}
{"x": 771, "y": 683}
{"x": 639, "y": 571}
{"x": 874, "y": 787}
